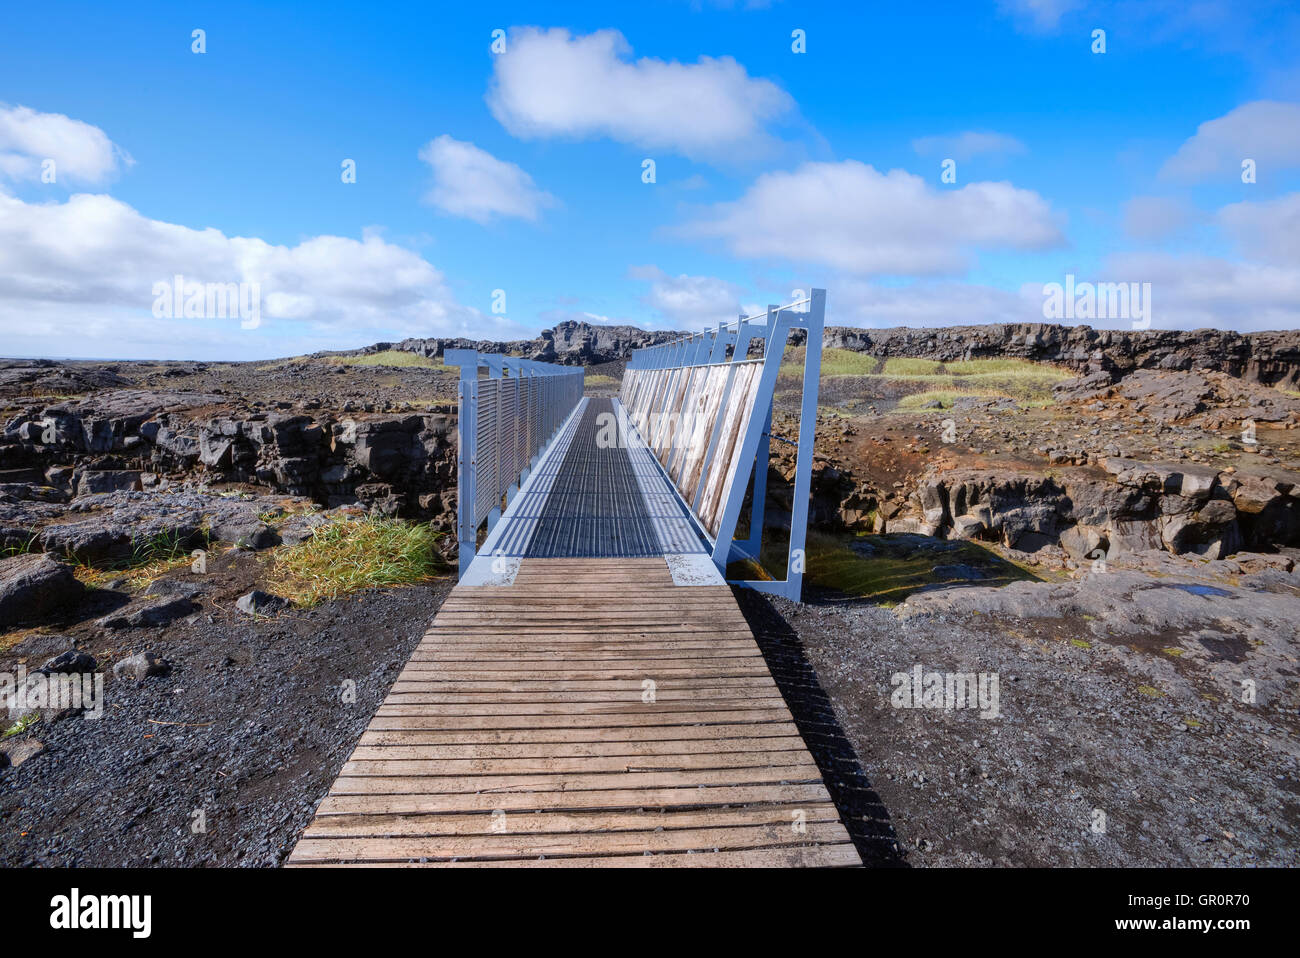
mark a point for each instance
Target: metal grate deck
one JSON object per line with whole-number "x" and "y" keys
{"x": 595, "y": 508}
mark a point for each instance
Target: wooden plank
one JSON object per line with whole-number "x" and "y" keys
{"x": 429, "y": 716}
{"x": 425, "y": 692}
{"x": 529, "y": 845}
{"x": 532, "y": 823}
{"x": 517, "y": 733}
{"x": 559, "y": 638}
{"x": 415, "y": 704}
{"x": 655, "y": 733}
{"x": 662, "y": 798}
{"x": 580, "y": 658}
{"x": 575, "y": 749}
{"x": 566, "y": 664}
{"x": 841, "y": 855}
{"x": 659, "y": 673}
{"x": 749, "y": 758}
{"x": 436, "y": 681}
{"x": 577, "y": 781}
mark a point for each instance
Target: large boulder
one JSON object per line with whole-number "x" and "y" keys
{"x": 34, "y": 587}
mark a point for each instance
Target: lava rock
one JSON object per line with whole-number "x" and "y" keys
{"x": 258, "y": 602}
{"x": 35, "y": 586}
{"x": 141, "y": 666}
{"x": 246, "y": 532}
{"x": 70, "y": 662}
{"x": 148, "y": 616}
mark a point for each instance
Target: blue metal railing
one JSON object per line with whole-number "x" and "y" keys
{"x": 704, "y": 406}
{"x": 506, "y": 420}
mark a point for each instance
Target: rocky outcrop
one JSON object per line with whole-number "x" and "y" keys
{"x": 569, "y": 343}
{"x": 1173, "y": 396}
{"x": 1134, "y": 506}
{"x": 1271, "y": 358}
{"x": 128, "y": 440}
{"x": 46, "y": 377}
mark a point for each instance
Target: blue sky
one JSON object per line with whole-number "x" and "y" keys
{"x": 522, "y": 171}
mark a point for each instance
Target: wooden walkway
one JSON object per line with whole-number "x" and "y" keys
{"x": 590, "y": 714}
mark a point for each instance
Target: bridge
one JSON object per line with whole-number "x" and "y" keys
{"x": 590, "y": 693}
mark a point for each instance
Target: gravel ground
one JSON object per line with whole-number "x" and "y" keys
{"x": 250, "y": 727}
{"x": 1083, "y": 766}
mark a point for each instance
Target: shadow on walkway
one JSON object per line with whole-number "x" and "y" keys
{"x": 860, "y": 808}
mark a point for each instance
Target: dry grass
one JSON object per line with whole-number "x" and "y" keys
{"x": 898, "y": 366}
{"x": 389, "y": 357}
{"x": 1027, "y": 382}
{"x": 352, "y": 554}
{"x": 133, "y": 578}
{"x": 150, "y": 559}
{"x": 945, "y": 398}
{"x": 835, "y": 362}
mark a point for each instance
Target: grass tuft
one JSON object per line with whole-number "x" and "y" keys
{"x": 22, "y": 725}
{"x": 352, "y": 554}
{"x": 151, "y": 558}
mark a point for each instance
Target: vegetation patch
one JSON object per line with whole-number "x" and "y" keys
{"x": 353, "y": 554}
{"x": 904, "y": 366}
{"x": 22, "y": 725}
{"x": 944, "y": 397}
{"x": 388, "y": 357}
{"x": 151, "y": 558}
{"x": 1027, "y": 382}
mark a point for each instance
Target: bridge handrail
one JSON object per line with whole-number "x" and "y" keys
{"x": 506, "y": 420}
{"x": 710, "y": 375}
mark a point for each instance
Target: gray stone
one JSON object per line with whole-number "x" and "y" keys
{"x": 34, "y": 587}
{"x": 245, "y": 531}
{"x": 155, "y": 614}
{"x": 968, "y": 527}
{"x": 70, "y": 662}
{"x": 258, "y": 602}
{"x": 141, "y": 666}
{"x": 92, "y": 482}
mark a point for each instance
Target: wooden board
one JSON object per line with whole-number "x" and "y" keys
{"x": 523, "y": 732}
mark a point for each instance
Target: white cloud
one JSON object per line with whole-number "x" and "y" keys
{"x": 1191, "y": 292}
{"x": 550, "y": 83}
{"x": 1268, "y": 230}
{"x": 66, "y": 266}
{"x": 1266, "y": 131}
{"x": 970, "y": 143}
{"x": 472, "y": 183}
{"x": 82, "y": 153}
{"x": 1156, "y": 218}
{"x": 1038, "y": 15}
{"x": 854, "y": 302}
{"x": 852, "y": 217}
{"x": 688, "y": 302}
